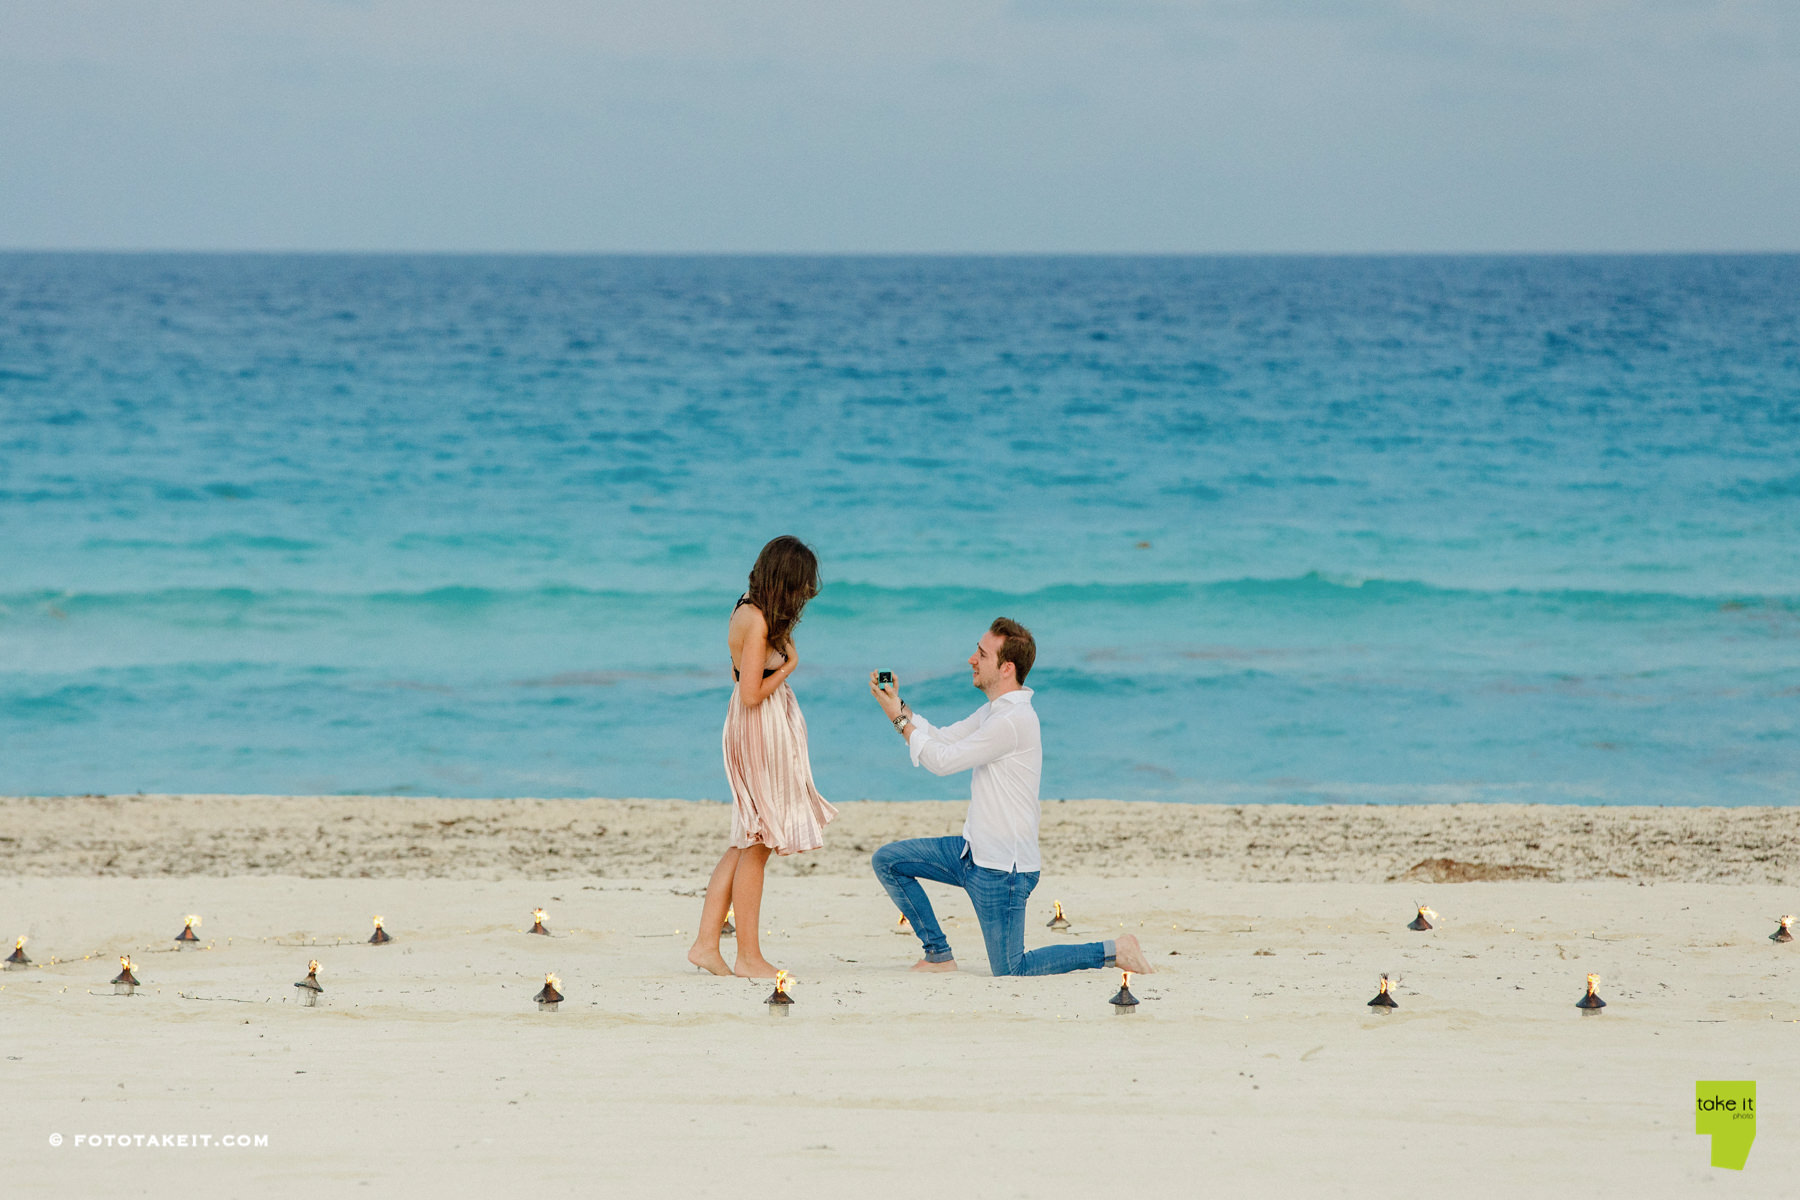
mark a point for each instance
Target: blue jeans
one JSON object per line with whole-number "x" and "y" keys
{"x": 999, "y": 898}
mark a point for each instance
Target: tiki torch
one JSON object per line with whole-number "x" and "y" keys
{"x": 1124, "y": 1002}
{"x": 310, "y": 990}
{"x": 779, "y": 1000}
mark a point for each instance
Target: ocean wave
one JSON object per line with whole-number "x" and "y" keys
{"x": 1316, "y": 587}
{"x": 218, "y": 541}
{"x": 853, "y": 599}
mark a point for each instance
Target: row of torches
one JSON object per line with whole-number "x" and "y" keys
{"x": 126, "y": 983}
{"x": 1589, "y": 1003}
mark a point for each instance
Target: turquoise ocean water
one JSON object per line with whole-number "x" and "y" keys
{"x": 1364, "y": 529}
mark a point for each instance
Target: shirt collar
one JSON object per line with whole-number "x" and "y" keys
{"x": 1022, "y": 696}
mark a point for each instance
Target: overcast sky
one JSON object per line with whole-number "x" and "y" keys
{"x": 855, "y": 125}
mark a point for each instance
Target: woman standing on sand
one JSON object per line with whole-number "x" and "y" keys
{"x": 775, "y": 805}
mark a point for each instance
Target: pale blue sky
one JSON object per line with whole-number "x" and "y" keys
{"x": 972, "y": 125}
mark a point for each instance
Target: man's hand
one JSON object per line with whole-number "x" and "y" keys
{"x": 888, "y": 697}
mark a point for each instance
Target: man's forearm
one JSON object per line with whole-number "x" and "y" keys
{"x": 992, "y": 741}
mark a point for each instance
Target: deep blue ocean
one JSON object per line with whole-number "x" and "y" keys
{"x": 1287, "y": 529}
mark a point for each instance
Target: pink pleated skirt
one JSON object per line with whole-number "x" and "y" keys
{"x": 774, "y": 800}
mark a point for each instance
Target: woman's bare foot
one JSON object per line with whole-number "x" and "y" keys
{"x": 755, "y": 969}
{"x": 709, "y": 960}
{"x": 925, "y": 964}
{"x": 1130, "y": 956}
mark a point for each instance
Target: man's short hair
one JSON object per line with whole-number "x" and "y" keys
{"x": 1019, "y": 648}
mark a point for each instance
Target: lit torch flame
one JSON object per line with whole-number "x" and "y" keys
{"x": 20, "y": 944}
{"x": 125, "y": 962}
{"x": 312, "y": 968}
{"x": 1593, "y": 983}
{"x": 1384, "y": 978}
{"x": 1058, "y": 906}
{"x": 1124, "y": 1001}
{"x": 552, "y": 982}
{"x": 1427, "y": 913}
{"x": 781, "y": 982}
{"x": 731, "y": 914}
{"x": 192, "y": 921}
{"x": 1786, "y": 922}
{"x": 378, "y": 922}
{"x": 537, "y": 915}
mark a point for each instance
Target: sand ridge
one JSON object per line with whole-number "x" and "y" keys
{"x": 389, "y": 837}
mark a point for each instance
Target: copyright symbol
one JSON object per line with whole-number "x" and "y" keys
{"x": 56, "y": 1139}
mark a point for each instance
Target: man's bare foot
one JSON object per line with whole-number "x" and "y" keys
{"x": 758, "y": 969}
{"x": 709, "y": 960}
{"x": 1130, "y": 956}
{"x": 926, "y": 965}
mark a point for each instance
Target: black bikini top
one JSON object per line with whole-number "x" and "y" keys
{"x": 768, "y": 671}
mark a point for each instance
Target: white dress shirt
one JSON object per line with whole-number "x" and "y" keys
{"x": 1002, "y": 743}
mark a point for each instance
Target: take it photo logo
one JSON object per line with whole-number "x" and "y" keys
{"x": 1726, "y": 1109}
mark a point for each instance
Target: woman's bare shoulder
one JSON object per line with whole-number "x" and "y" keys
{"x": 748, "y": 617}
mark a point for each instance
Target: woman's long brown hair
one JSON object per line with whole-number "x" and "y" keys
{"x": 785, "y": 577}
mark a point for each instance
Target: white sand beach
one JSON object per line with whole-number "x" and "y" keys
{"x": 1252, "y": 1063}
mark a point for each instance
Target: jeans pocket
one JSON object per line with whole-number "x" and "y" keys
{"x": 989, "y": 885}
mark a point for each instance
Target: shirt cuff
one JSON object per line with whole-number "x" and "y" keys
{"x": 915, "y": 741}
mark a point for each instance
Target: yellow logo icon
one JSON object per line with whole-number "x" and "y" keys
{"x": 1726, "y": 1108}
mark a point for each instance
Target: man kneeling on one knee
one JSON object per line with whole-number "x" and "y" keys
{"x": 996, "y": 859}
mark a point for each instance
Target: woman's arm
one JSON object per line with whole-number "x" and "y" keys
{"x": 753, "y": 652}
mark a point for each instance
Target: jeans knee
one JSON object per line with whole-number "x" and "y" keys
{"x": 1016, "y": 967}
{"x": 882, "y": 861}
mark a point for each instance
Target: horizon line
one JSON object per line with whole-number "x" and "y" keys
{"x": 365, "y": 252}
